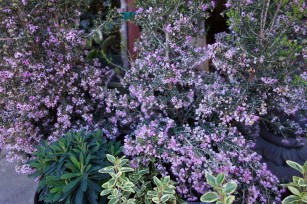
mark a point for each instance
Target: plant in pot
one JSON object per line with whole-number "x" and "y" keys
{"x": 67, "y": 170}
{"x": 182, "y": 116}
{"x": 47, "y": 87}
{"x": 265, "y": 52}
{"x": 139, "y": 185}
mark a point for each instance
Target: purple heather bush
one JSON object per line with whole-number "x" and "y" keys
{"x": 185, "y": 119}
{"x": 46, "y": 85}
{"x": 265, "y": 52}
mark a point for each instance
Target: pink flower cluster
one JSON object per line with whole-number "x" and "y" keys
{"x": 184, "y": 118}
{"x": 187, "y": 120}
{"x": 187, "y": 153}
{"x": 268, "y": 59}
{"x": 46, "y": 84}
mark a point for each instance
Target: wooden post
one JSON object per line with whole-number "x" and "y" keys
{"x": 201, "y": 41}
{"x": 133, "y": 31}
{"x": 124, "y": 36}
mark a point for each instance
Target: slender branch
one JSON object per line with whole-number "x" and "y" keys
{"x": 266, "y": 14}
{"x": 275, "y": 14}
{"x": 16, "y": 38}
{"x": 261, "y": 23}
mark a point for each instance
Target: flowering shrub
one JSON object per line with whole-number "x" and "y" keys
{"x": 46, "y": 85}
{"x": 186, "y": 152}
{"x": 265, "y": 52}
{"x": 184, "y": 118}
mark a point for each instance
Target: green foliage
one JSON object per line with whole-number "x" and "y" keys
{"x": 164, "y": 192}
{"x": 135, "y": 186}
{"x": 222, "y": 192}
{"x": 68, "y": 168}
{"x": 298, "y": 187}
{"x": 104, "y": 36}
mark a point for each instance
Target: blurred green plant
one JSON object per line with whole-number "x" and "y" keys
{"x": 68, "y": 168}
{"x": 135, "y": 186}
{"x": 222, "y": 192}
{"x": 298, "y": 187}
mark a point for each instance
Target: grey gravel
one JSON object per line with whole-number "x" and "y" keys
{"x": 14, "y": 188}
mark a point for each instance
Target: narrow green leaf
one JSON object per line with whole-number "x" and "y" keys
{"x": 220, "y": 179}
{"x": 295, "y": 179}
{"x": 131, "y": 201}
{"x": 111, "y": 158}
{"x": 75, "y": 161}
{"x": 129, "y": 185}
{"x": 294, "y": 190}
{"x": 105, "y": 192}
{"x": 152, "y": 193}
{"x": 94, "y": 186}
{"x": 209, "y": 197}
{"x": 296, "y": 166}
{"x": 111, "y": 182}
{"x": 71, "y": 167}
{"x": 126, "y": 169}
{"x": 165, "y": 198}
{"x": 156, "y": 200}
{"x": 157, "y": 181}
{"x": 167, "y": 179}
{"x": 107, "y": 170}
{"x": 169, "y": 190}
{"x": 97, "y": 36}
{"x": 113, "y": 201}
{"x": 301, "y": 182}
{"x": 229, "y": 199}
{"x": 143, "y": 172}
{"x": 113, "y": 175}
{"x": 56, "y": 189}
{"x": 115, "y": 192}
{"x": 303, "y": 197}
{"x": 127, "y": 189}
{"x": 229, "y": 187}
{"x": 291, "y": 199}
{"x": 210, "y": 179}
{"x": 69, "y": 175}
{"x": 84, "y": 182}
{"x": 79, "y": 196}
{"x": 73, "y": 184}
{"x": 123, "y": 162}
{"x": 81, "y": 158}
{"x": 105, "y": 185}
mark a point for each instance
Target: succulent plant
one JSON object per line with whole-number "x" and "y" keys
{"x": 68, "y": 168}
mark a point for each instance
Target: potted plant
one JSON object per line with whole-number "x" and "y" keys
{"x": 265, "y": 51}
{"x": 47, "y": 85}
{"x": 67, "y": 170}
{"x": 187, "y": 119}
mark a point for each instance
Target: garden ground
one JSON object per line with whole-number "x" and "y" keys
{"x": 14, "y": 188}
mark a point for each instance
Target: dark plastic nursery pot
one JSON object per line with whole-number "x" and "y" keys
{"x": 36, "y": 199}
